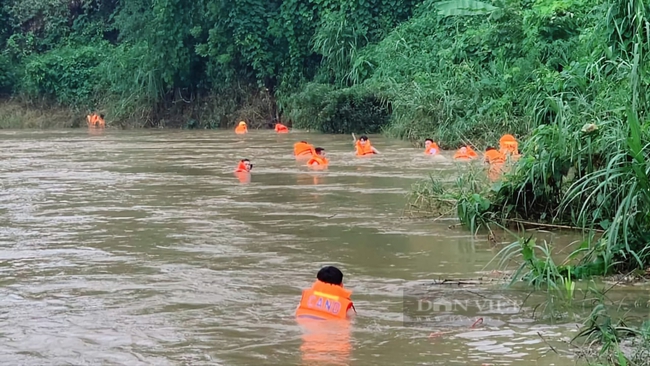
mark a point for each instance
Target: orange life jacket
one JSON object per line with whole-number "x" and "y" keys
{"x": 94, "y": 120}
{"x": 241, "y": 128}
{"x": 324, "y": 301}
{"x": 365, "y": 149}
{"x": 301, "y": 148}
{"x": 317, "y": 160}
{"x": 241, "y": 168}
{"x": 280, "y": 128}
{"x": 243, "y": 177}
{"x": 507, "y": 138}
{"x": 508, "y": 145}
{"x": 494, "y": 157}
{"x": 467, "y": 155}
{"x": 432, "y": 149}
{"x": 509, "y": 148}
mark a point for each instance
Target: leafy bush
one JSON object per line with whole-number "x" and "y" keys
{"x": 67, "y": 75}
{"x": 466, "y": 71}
{"x": 324, "y": 108}
{"x": 128, "y": 82}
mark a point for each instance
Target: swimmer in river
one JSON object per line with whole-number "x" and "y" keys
{"x": 363, "y": 147}
{"x": 493, "y": 156}
{"x": 303, "y": 150}
{"x": 243, "y": 171}
{"x": 508, "y": 146}
{"x": 430, "y": 147}
{"x": 241, "y": 128}
{"x": 318, "y": 160}
{"x": 465, "y": 153}
{"x": 280, "y": 128}
{"x": 244, "y": 166}
{"x": 326, "y": 299}
{"x": 96, "y": 120}
{"x": 495, "y": 161}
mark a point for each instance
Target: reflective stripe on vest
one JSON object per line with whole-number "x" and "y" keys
{"x": 324, "y": 301}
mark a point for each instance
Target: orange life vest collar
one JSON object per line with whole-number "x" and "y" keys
{"x": 328, "y": 288}
{"x": 241, "y": 167}
{"x": 301, "y": 148}
{"x": 365, "y": 149}
{"x": 241, "y": 129}
{"x": 318, "y": 160}
{"x": 494, "y": 157}
{"x": 434, "y": 147}
{"x": 507, "y": 138}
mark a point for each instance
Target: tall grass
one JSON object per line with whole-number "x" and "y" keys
{"x": 463, "y": 196}
{"x": 617, "y": 196}
{"x": 15, "y": 114}
{"x": 586, "y": 162}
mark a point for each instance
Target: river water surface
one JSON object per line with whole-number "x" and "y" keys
{"x": 142, "y": 248}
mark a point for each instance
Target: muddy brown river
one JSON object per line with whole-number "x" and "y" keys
{"x": 142, "y": 248}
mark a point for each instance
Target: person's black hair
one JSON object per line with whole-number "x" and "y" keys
{"x": 331, "y": 275}
{"x": 428, "y": 140}
{"x": 102, "y": 116}
{"x": 319, "y": 150}
{"x": 364, "y": 137}
{"x": 490, "y": 148}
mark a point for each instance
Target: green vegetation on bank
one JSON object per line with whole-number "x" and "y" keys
{"x": 201, "y": 64}
{"x": 457, "y": 71}
{"x": 585, "y": 162}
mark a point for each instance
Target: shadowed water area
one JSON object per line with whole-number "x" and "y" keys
{"x": 142, "y": 248}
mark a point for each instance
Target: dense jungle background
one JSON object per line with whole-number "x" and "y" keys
{"x": 453, "y": 70}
